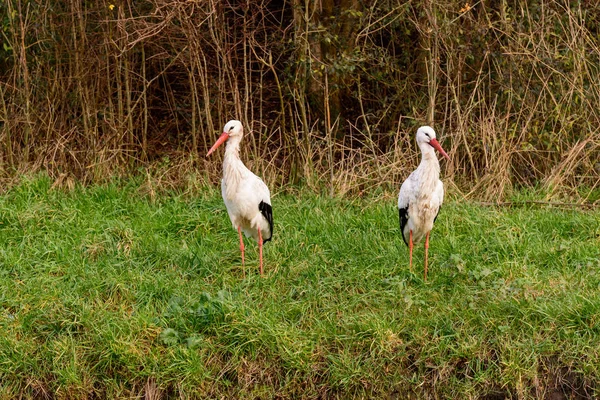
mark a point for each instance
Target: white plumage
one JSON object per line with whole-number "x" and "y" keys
{"x": 422, "y": 193}
{"x": 246, "y": 196}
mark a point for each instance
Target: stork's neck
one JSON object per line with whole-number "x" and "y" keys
{"x": 233, "y": 168}
{"x": 429, "y": 168}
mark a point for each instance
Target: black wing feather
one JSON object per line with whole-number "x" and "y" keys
{"x": 438, "y": 213}
{"x": 267, "y": 211}
{"x": 403, "y": 213}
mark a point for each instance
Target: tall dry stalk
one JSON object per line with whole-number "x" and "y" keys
{"x": 329, "y": 95}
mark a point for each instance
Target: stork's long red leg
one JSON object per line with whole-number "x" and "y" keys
{"x": 426, "y": 254}
{"x": 410, "y": 249}
{"x": 242, "y": 250}
{"x": 260, "y": 244}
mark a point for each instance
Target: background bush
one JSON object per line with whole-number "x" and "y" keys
{"x": 331, "y": 92}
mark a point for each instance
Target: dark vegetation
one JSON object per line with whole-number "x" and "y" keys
{"x": 331, "y": 92}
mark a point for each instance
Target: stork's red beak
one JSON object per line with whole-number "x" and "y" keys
{"x": 224, "y": 136}
{"x": 436, "y": 145}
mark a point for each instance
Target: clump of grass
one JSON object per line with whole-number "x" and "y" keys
{"x": 109, "y": 292}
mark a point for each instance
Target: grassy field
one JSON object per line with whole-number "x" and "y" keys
{"x": 108, "y": 292}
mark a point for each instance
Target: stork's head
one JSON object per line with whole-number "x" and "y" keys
{"x": 233, "y": 129}
{"x": 426, "y": 136}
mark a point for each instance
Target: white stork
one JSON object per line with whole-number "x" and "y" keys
{"x": 421, "y": 194}
{"x": 246, "y": 196}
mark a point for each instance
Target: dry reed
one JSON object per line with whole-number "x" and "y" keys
{"x": 330, "y": 97}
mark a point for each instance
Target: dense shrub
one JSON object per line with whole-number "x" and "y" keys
{"x": 331, "y": 95}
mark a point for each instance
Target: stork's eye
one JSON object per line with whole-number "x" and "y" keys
{"x": 231, "y": 128}
{"x": 427, "y": 134}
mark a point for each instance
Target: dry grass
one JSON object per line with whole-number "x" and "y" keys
{"x": 330, "y": 97}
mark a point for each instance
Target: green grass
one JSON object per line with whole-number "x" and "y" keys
{"x": 107, "y": 294}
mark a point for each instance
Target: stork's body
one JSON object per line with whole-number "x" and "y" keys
{"x": 421, "y": 195}
{"x": 246, "y": 197}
